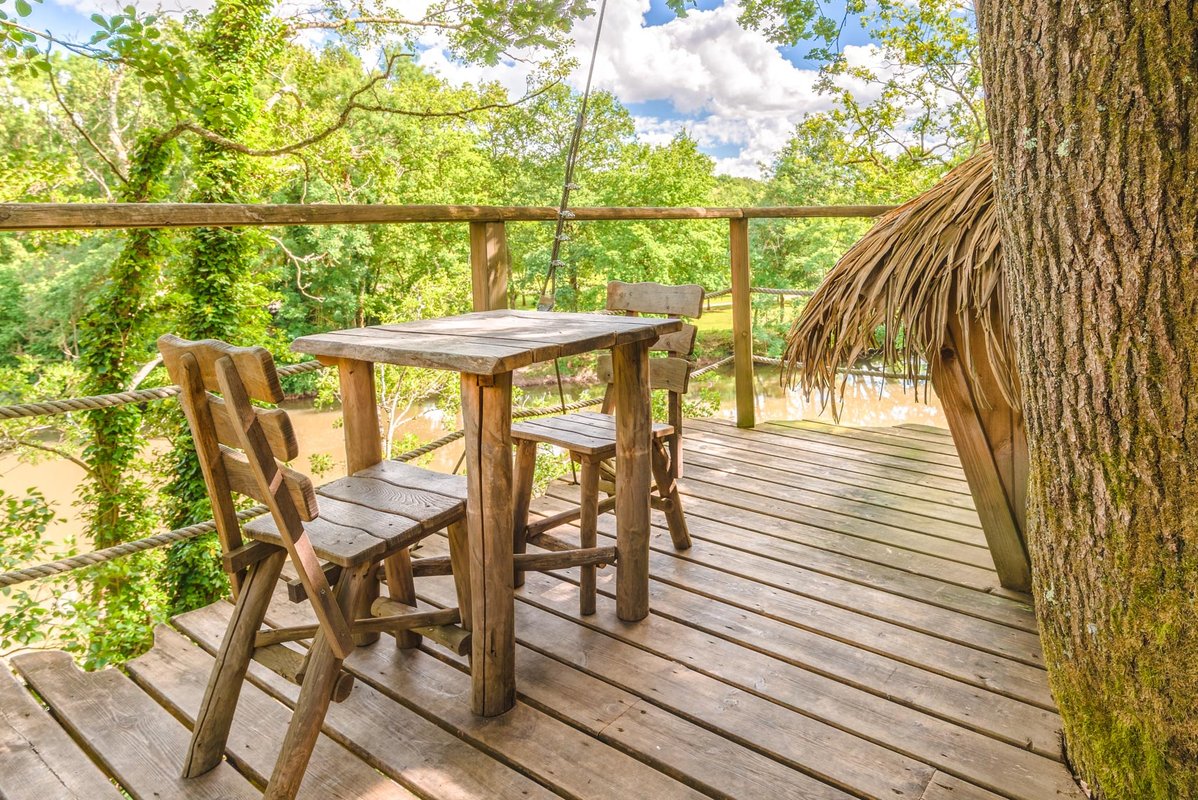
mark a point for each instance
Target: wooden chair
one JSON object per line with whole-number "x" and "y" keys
{"x": 339, "y": 533}
{"x": 590, "y": 437}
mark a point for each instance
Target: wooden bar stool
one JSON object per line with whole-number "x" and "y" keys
{"x": 590, "y": 437}
{"x": 340, "y": 532}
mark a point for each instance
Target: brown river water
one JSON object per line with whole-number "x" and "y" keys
{"x": 868, "y": 402}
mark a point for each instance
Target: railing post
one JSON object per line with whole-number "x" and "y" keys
{"x": 742, "y": 322}
{"x": 490, "y": 265}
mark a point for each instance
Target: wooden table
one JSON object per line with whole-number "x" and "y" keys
{"x": 485, "y": 347}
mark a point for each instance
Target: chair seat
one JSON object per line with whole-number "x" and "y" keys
{"x": 375, "y": 512}
{"x": 587, "y": 432}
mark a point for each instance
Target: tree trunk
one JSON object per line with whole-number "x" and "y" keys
{"x": 1092, "y": 109}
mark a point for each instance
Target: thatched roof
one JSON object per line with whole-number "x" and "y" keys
{"x": 934, "y": 257}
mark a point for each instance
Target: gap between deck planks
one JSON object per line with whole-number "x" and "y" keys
{"x": 796, "y": 651}
{"x": 38, "y": 759}
{"x": 748, "y": 696}
{"x": 715, "y": 564}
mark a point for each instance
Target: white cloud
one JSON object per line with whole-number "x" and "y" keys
{"x": 731, "y": 87}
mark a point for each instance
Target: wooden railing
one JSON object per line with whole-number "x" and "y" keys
{"x": 490, "y": 263}
{"x": 490, "y": 267}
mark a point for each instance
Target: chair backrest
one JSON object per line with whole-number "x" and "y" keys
{"x": 660, "y": 300}
{"x": 242, "y": 450}
{"x": 671, "y": 373}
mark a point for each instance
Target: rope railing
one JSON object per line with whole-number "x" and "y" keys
{"x": 116, "y": 551}
{"x": 47, "y": 408}
{"x": 83, "y": 560}
{"x": 865, "y": 373}
{"x": 762, "y": 290}
{"x": 93, "y": 402}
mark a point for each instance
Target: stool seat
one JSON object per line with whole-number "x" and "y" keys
{"x": 588, "y": 432}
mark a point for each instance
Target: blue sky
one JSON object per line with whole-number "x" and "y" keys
{"x": 739, "y": 95}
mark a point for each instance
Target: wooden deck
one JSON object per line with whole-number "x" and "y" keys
{"x": 836, "y": 631}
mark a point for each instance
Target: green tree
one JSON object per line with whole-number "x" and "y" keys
{"x": 238, "y": 41}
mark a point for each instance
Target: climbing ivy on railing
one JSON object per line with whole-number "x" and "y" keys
{"x": 113, "y": 341}
{"x": 237, "y": 42}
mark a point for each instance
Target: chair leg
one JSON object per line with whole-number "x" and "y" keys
{"x": 459, "y": 558}
{"x": 588, "y": 526}
{"x": 667, "y": 489}
{"x": 370, "y": 593}
{"x": 402, "y": 588}
{"x": 526, "y": 465}
{"x": 320, "y": 681}
{"x": 215, "y": 717}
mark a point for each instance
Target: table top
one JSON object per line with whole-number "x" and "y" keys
{"x": 485, "y": 342}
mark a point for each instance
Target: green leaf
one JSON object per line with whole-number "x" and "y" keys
{"x": 23, "y": 8}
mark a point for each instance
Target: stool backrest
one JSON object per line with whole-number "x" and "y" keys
{"x": 242, "y": 450}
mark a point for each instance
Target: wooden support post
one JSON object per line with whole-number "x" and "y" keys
{"x": 402, "y": 589}
{"x": 630, "y": 365}
{"x": 459, "y": 558}
{"x": 588, "y": 531}
{"x": 526, "y": 465}
{"x": 742, "y": 323}
{"x": 1000, "y": 522}
{"x": 487, "y": 416}
{"x": 490, "y": 265}
{"x": 363, "y": 448}
{"x": 322, "y": 674}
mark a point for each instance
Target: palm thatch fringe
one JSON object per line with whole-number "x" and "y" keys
{"x": 935, "y": 256}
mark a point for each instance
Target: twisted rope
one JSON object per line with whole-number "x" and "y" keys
{"x": 762, "y": 290}
{"x": 116, "y": 551}
{"x": 711, "y": 366}
{"x": 48, "y": 408}
{"x": 191, "y": 531}
{"x": 782, "y": 292}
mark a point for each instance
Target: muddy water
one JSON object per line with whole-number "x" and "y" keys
{"x": 868, "y": 401}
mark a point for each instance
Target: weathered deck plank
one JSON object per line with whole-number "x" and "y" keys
{"x": 836, "y": 631}
{"x": 175, "y": 673}
{"x": 136, "y": 740}
{"x": 392, "y": 738}
{"x": 794, "y": 640}
{"x": 39, "y": 759}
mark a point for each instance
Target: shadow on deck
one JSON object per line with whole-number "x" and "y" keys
{"x": 836, "y": 631}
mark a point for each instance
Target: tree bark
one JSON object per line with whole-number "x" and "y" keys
{"x": 1092, "y": 110}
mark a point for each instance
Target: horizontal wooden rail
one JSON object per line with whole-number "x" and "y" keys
{"x": 86, "y": 216}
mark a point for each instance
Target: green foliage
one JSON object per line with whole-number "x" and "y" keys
{"x": 229, "y": 107}
{"x": 65, "y": 611}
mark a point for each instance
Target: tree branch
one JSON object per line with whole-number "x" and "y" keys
{"x": 299, "y": 262}
{"x": 79, "y": 128}
{"x": 49, "y": 448}
{"x": 330, "y": 25}
{"x": 344, "y": 117}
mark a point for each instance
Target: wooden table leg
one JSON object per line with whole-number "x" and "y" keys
{"x": 630, "y": 367}
{"x": 363, "y": 448}
{"x": 487, "y": 418}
